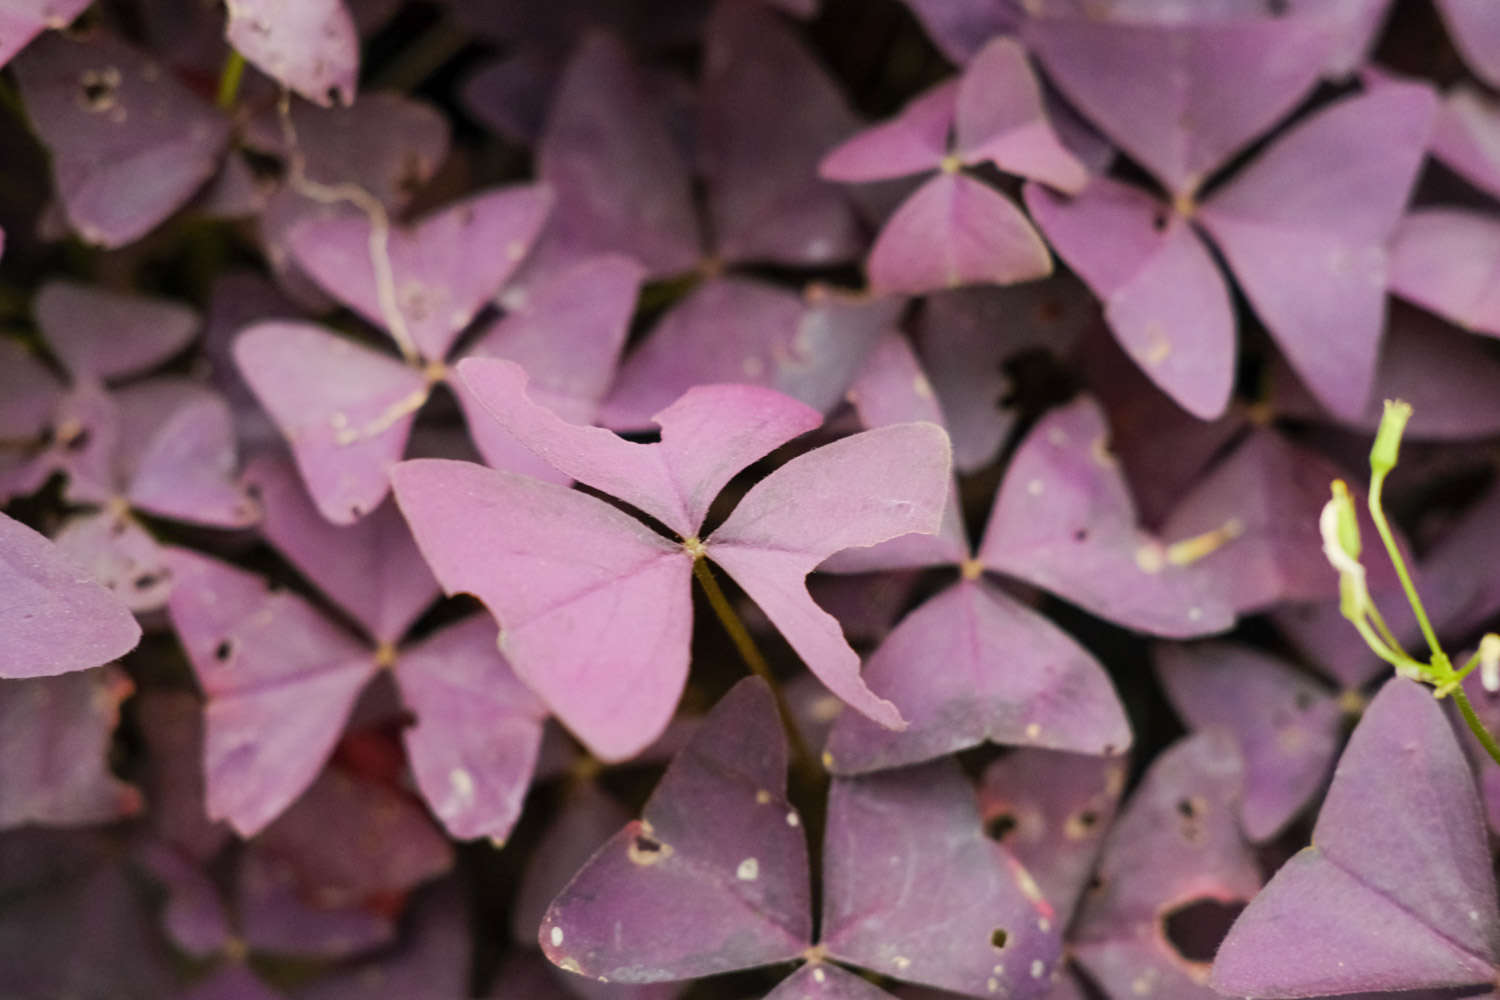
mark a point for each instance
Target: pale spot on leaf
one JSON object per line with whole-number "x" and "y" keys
{"x": 748, "y": 871}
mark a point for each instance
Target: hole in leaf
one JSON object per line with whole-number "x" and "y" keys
{"x": 1159, "y": 220}
{"x": 77, "y": 441}
{"x": 1196, "y": 928}
{"x": 222, "y": 650}
{"x": 1278, "y": 8}
{"x": 647, "y": 850}
{"x": 999, "y": 827}
{"x": 333, "y": 97}
{"x": 97, "y": 88}
{"x": 1187, "y": 808}
{"x": 1087, "y": 819}
{"x": 998, "y": 938}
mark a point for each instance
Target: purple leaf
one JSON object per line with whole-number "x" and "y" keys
{"x": 955, "y": 231}
{"x": 1287, "y": 726}
{"x": 607, "y": 154}
{"x": 1475, "y": 31}
{"x": 1176, "y": 843}
{"x": 346, "y": 410}
{"x": 277, "y": 917}
{"x": 280, "y": 682}
{"x": 587, "y": 817}
{"x": 1009, "y": 675}
{"x": 594, "y": 607}
{"x": 736, "y": 329}
{"x": 1444, "y": 261}
{"x": 171, "y": 723}
{"x": 104, "y": 334}
{"x": 1399, "y": 853}
{"x": 22, "y": 21}
{"x": 1468, "y": 127}
{"x": 430, "y": 963}
{"x": 999, "y": 117}
{"x": 766, "y": 202}
{"x": 119, "y": 553}
{"x": 1057, "y": 807}
{"x": 183, "y": 459}
{"x": 960, "y": 29}
{"x": 915, "y": 890}
{"x": 914, "y": 141}
{"x": 28, "y": 392}
{"x": 231, "y": 982}
{"x": 1064, "y": 521}
{"x": 822, "y": 981}
{"x": 55, "y": 734}
{"x": 54, "y": 616}
{"x": 511, "y": 94}
{"x": 478, "y": 729}
{"x": 309, "y": 45}
{"x": 714, "y": 876}
{"x": 1170, "y": 94}
{"x": 443, "y": 270}
{"x": 1163, "y": 295}
{"x": 1304, "y": 229}
{"x": 193, "y": 917}
{"x": 372, "y": 568}
{"x": 129, "y": 143}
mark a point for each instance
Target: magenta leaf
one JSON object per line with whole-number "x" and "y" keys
{"x": 280, "y": 682}
{"x": 443, "y": 270}
{"x": 55, "y": 734}
{"x": 1287, "y": 725}
{"x": 915, "y": 890}
{"x": 1464, "y": 139}
{"x": 1052, "y": 810}
{"x": 1176, "y": 843}
{"x": 22, "y": 21}
{"x": 1443, "y": 260}
{"x": 129, "y": 143}
{"x": 119, "y": 553}
{"x": 587, "y": 817}
{"x": 1400, "y": 852}
{"x": 712, "y": 878}
{"x": 54, "y": 616}
{"x": 1475, "y": 30}
{"x": 310, "y": 46}
{"x": 913, "y": 141}
{"x": 346, "y": 409}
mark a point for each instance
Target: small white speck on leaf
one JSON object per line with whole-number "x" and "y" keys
{"x": 1038, "y": 967}
{"x": 748, "y": 871}
{"x": 556, "y": 936}
{"x": 792, "y": 819}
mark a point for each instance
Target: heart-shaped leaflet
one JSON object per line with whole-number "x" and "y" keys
{"x": 595, "y": 607}
{"x": 1396, "y": 887}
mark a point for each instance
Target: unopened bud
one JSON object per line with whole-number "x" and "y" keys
{"x": 1388, "y": 437}
{"x": 1489, "y": 662}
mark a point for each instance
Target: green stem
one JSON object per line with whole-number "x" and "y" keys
{"x": 1475, "y": 726}
{"x": 750, "y": 653}
{"x": 1377, "y": 514}
{"x": 229, "y": 79}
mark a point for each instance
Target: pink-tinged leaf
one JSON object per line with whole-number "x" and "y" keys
{"x": 1257, "y": 513}
{"x": 588, "y": 817}
{"x": 1399, "y": 854}
{"x": 1164, "y": 297}
{"x": 194, "y": 916}
{"x": 915, "y": 890}
{"x": 280, "y": 681}
{"x": 88, "y": 435}
{"x": 964, "y": 335}
{"x": 1052, "y": 811}
{"x": 28, "y": 393}
{"x": 1467, "y": 137}
{"x": 765, "y": 199}
{"x": 916, "y": 140}
{"x": 856, "y": 492}
{"x": 1448, "y": 376}
{"x": 186, "y": 469}
{"x": 954, "y": 231}
{"x": 443, "y": 270}
{"x": 1474, "y": 28}
{"x": 171, "y": 724}
{"x": 567, "y": 333}
{"x": 119, "y": 553}
{"x": 1176, "y": 843}
{"x": 714, "y": 876}
{"x": 310, "y": 46}
{"x": 431, "y": 962}
{"x": 1287, "y": 726}
{"x": 822, "y": 981}
{"x": 708, "y": 436}
{"x": 231, "y": 982}
{"x": 1305, "y": 226}
{"x": 1171, "y": 95}
{"x": 740, "y": 330}
{"x": 104, "y": 334}
{"x": 55, "y": 736}
{"x": 345, "y": 410}
{"x": 349, "y": 839}
{"x": 129, "y": 143}
{"x": 372, "y": 568}
{"x": 276, "y": 916}
{"x": 1000, "y": 118}
{"x": 608, "y": 155}
{"x": 54, "y": 616}
{"x": 961, "y": 29}
{"x": 478, "y": 729}
{"x": 1009, "y": 676}
{"x": 594, "y": 607}
{"x": 1447, "y": 261}
{"x": 1064, "y": 521}
{"x": 22, "y": 21}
